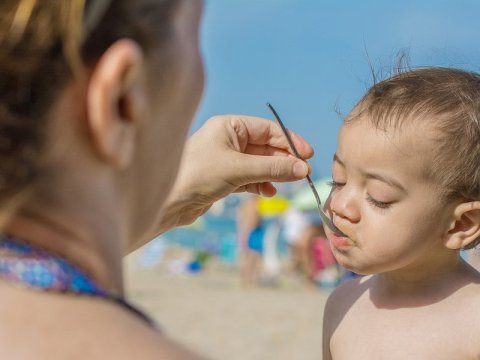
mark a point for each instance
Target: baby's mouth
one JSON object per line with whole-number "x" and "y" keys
{"x": 348, "y": 232}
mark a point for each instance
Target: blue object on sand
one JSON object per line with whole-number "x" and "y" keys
{"x": 194, "y": 266}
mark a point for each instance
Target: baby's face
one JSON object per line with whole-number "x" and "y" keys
{"x": 392, "y": 214}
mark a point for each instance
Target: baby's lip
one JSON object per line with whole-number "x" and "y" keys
{"x": 341, "y": 242}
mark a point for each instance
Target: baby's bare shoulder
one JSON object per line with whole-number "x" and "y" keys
{"x": 345, "y": 297}
{"x": 348, "y": 293}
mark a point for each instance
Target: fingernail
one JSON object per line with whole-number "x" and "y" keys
{"x": 300, "y": 169}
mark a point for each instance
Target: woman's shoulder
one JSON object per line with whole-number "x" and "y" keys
{"x": 45, "y": 325}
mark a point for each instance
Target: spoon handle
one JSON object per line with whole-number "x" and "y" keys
{"x": 325, "y": 219}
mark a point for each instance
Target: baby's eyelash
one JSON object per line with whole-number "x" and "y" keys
{"x": 378, "y": 204}
{"x": 334, "y": 184}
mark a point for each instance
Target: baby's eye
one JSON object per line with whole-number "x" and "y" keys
{"x": 377, "y": 203}
{"x": 335, "y": 185}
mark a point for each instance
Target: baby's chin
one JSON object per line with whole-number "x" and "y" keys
{"x": 359, "y": 269}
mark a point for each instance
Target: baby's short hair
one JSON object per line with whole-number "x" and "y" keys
{"x": 449, "y": 99}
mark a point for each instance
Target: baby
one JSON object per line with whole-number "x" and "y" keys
{"x": 406, "y": 192}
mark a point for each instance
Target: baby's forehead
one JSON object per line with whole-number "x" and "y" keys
{"x": 405, "y": 133}
{"x": 410, "y": 146}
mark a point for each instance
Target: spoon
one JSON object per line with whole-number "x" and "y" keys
{"x": 325, "y": 219}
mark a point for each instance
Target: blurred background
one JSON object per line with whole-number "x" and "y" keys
{"x": 249, "y": 279}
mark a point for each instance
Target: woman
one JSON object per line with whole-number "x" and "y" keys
{"x": 96, "y": 98}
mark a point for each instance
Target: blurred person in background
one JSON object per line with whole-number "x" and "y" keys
{"x": 96, "y": 99}
{"x": 324, "y": 268}
{"x": 251, "y": 235}
{"x": 294, "y": 222}
{"x": 312, "y": 255}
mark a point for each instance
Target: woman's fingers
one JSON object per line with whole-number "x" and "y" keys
{"x": 266, "y": 189}
{"x": 258, "y": 131}
{"x": 265, "y": 150}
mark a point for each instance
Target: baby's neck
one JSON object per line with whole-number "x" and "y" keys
{"x": 422, "y": 285}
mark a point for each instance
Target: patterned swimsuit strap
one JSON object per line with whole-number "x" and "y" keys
{"x": 33, "y": 267}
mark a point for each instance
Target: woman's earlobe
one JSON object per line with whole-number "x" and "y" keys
{"x": 115, "y": 88}
{"x": 465, "y": 228}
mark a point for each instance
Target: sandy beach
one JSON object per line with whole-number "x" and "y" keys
{"x": 213, "y": 314}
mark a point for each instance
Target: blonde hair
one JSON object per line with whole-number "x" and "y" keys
{"x": 43, "y": 45}
{"x": 446, "y": 99}
{"x": 37, "y": 24}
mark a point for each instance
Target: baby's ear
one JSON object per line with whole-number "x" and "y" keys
{"x": 465, "y": 227}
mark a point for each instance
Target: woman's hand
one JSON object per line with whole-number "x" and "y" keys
{"x": 228, "y": 154}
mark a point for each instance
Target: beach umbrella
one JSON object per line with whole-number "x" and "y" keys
{"x": 272, "y": 206}
{"x": 305, "y": 200}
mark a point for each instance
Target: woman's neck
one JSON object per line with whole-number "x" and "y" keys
{"x": 87, "y": 242}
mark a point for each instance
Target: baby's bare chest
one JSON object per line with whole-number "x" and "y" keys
{"x": 408, "y": 333}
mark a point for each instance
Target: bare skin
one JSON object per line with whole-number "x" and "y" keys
{"x": 363, "y": 322}
{"x": 77, "y": 328}
{"x": 112, "y": 185}
{"x": 421, "y": 301}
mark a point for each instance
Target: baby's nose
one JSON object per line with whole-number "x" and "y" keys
{"x": 344, "y": 204}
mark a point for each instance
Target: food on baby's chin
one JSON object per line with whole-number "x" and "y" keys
{"x": 347, "y": 232}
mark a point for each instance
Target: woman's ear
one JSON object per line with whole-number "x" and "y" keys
{"x": 465, "y": 227}
{"x": 115, "y": 98}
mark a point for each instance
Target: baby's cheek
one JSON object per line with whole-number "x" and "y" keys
{"x": 390, "y": 253}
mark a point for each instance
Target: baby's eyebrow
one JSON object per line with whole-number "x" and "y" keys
{"x": 385, "y": 179}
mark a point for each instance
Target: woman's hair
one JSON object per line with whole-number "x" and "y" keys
{"x": 446, "y": 99}
{"x": 43, "y": 45}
